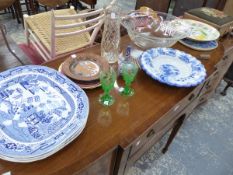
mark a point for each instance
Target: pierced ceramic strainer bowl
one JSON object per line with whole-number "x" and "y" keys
{"x": 154, "y": 29}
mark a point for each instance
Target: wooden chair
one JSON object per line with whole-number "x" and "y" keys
{"x": 78, "y": 5}
{"x": 6, "y": 3}
{"x": 10, "y": 4}
{"x": 30, "y": 6}
{"x": 61, "y": 32}
{"x": 157, "y": 5}
{"x": 92, "y": 3}
{"x": 53, "y": 3}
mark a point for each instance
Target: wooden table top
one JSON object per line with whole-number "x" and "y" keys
{"x": 118, "y": 125}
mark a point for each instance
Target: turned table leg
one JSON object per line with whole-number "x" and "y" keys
{"x": 175, "y": 129}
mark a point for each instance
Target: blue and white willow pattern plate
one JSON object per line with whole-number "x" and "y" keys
{"x": 199, "y": 45}
{"x": 173, "y": 67}
{"x": 41, "y": 111}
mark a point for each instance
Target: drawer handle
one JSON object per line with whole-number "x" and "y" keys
{"x": 191, "y": 97}
{"x": 225, "y": 58}
{"x": 202, "y": 100}
{"x": 151, "y": 133}
{"x": 207, "y": 86}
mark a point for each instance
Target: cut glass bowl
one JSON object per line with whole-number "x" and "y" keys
{"x": 157, "y": 29}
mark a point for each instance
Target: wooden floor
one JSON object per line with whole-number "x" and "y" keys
{"x": 7, "y": 60}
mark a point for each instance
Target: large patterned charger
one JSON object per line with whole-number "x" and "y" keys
{"x": 41, "y": 111}
{"x": 173, "y": 67}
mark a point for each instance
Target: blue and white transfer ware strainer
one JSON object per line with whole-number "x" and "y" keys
{"x": 173, "y": 67}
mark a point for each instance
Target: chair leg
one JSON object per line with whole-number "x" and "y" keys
{"x": 18, "y": 11}
{"x": 27, "y": 7}
{"x": 92, "y": 6}
{"x": 32, "y": 6}
{"x": 3, "y": 31}
{"x": 79, "y": 4}
{"x": 73, "y": 3}
{"x": 37, "y": 6}
{"x": 224, "y": 92}
{"x": 12, "y": 11}
{"x": 27, "y": 34}
{"x": 176, "y": 128}
{"x": 17, "y": 15}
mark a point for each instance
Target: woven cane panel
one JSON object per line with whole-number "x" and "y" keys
{"x": 40, "y": 24}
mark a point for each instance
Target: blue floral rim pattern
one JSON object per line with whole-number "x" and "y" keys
{"x": 173, "y": 67}
{"x": 41, "y": 111}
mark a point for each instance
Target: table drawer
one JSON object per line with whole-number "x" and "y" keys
{"x": 168, "y": 117}
{"x": 224, "y": 64}
{"x": 210, "y": 83}
{"x": 156, "y": 136}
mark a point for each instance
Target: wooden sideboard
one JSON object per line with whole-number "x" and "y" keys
{"x": 115, "y": 137}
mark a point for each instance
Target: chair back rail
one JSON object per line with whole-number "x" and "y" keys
{"x": 80, "y": 31}
{"x": 81, "y": 23}
{"x": 61, "y": 32}
{"x": 37, "y": 44}
{"x": 79, "y": 15}
{"x": 60, "y": 26}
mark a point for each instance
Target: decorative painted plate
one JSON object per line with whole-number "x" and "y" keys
{"x": 201, "y": 31}
{"x": 173, "y": 67}
{"x": 84, "y": 67}
{"x": 199, "y": 45}
{"x": 84, "y": 85}
{"x": 41, "y": 111}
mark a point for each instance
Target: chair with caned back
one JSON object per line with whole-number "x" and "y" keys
{"x": 62, "y": 32}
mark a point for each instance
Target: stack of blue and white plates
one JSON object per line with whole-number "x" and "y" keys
{"x": 203, "y": 36}
{"x": 41, "y": 111}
